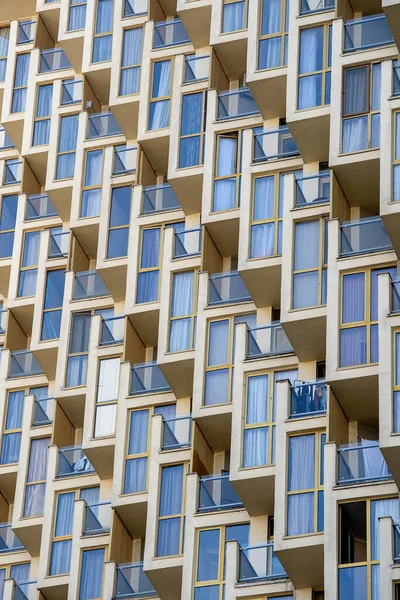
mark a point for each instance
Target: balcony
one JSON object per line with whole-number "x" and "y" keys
{"x": 23, "y": 364}
{"x": 26, "y": 32}
{"x": 197, "y": 68}
{"x": 308, "y": 399}
{"x": 133, "y": 8}
{"x": 313, "y": 6}
{"x": 187, "y": 243}
{"x": 158, "y": 198}
{"x": 217, "y": 493}
{"x": 53, "y": 60}
{"x": 226, "y": 288}
{"x": 258, "y": 562}
{"x": 88, "y": 284}
{"x": 125, "y": 160}
{"x": 39, "y": 206}
{"x": 58, "y": 244}
{"x": 12, "y": 172}
{"x": 44, "y": 411}
{"x": 25, "y": 590}
{"x": 267, "y": 340}
{"x": 102, "y": 125}
{"x": 5, "y": 140}
{"x": 364, "y": 236}
{"x": 169, "y": 33}
{"x": 367, "y": 32}
{"x": 147, "y": 378}
{"x": 396, "y": 78}
{"x": 97, "y": 518}
{"x": 395, "y": 296}
{"x": 72, "y": 461}
{"x": 274, "y": 144}
{"x": 8, "y": 540}
{"x": 3, "y": 320}
{"x": 361, "y": 463}
{"x": 236, "y": 103}
{"x": 71, "y": 91}
{"x": 396, "y": 548}
{"x": 112, "y": 331}
{"x": 132, "y": 582}
{"x": 313, "y": 189}
{"x": 177, "y": 432}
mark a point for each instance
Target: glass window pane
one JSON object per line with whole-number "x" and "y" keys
{"x": 208, "y": 555}
{"x": 218, "y": 343}
{"x": 121, "y": 206}
{"x": 91, "y": 585}
{"x": 301, "y": 462}
{"x": 171, "y": 490}
{"x": 191, "y": 116}
{"x": 139, "y": 422}
{"x": 353, "y": 298}
{"x": 107, "y": 387}
{"x": 355, "y": 92}
{"x": 306, "y": 245}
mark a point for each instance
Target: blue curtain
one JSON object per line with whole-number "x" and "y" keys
{"x": 233, "y": 17}
{"x": 92, "y": 574}
{"x": 182, "y": 304}
{"x": 77, "y": 15}
{"x": 131, "y": 57}
{"x": 20, "y": 81}
{"x": 170, "y": 504}
{"x": 225, "y": 189}
{"x": 311, "y": 57}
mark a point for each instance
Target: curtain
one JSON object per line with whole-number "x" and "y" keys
{"x": 311, "y": 54}
{"x": 105, "y": 420}
{"x": 120, "y": 206}
{"x": 147, "y": 290}
{"x": 171, "y": 491}
{"x": 77, "y": 16}
{"x": 55, "y": 284}
{"x": 91, "y": 201}
{"x": 279, "y": 376}
{"x": 355, "y": 134}
{"x": 233, "y": 17}
{"x": 60, "y": 557}
{"x": 373, "y": 462}
{"x": 159, "y": 111}
{"x": 216, "y": 387}
{"x": 225, "y": 189}
{"x": 104, "y": 16}
{"x": 255, "y": 447}
{"x": 376, "y": 87}
{"x": 37, "y": 471}
{"x": 79, "y": 341}
{"x": 65, "y": 166}
{"x": 15, "y": 409}
{"x": 306, "y": 245}
{"x": 107, "y": 387}
{"x": 264, "y": 198}
{"x": 389, "y": 507}
{"x": 353, "y": 346}
{"x": 305, "y": 290}
{"x": 65, "y": 513}
{"x": 182, "y": 305}
{"x": 20, "y": 81}
{"x": 4, "y": 40}
{"x": 102, "y": 49}
{"x": 271, "y": 16}
{"x": 131, "y": 55}
{"x": 150, "y": 248}
{"x": 94, "y": 168}
{"x": 91, "y": 574}
{"x": 191, "y": 113}
{"x": 262, "y": 240}
{"x": 269, "y": 53}
{"x": 41, "y": 132}
{"x": 159, "y": 114}
{"x": 10, "y": 448}
{"x": 68, "y": 133}
{"x": 257, "y": 399}
{"x": 76, "y": 371}
{"x": 189, "y": 152}
{"x": 218, "y": 343}
{"x": 168, "y": 540}
{"x": 139, "y": 423}
{"x": 356, "y": 81}
{"x": 300, "y": 514}
{"x": 301, "y": 462}
{"x": 8, "y": 212}
{"x": 31, "y": 249}
{"x": 353, "y": 298}
{"x": 45, "y": 95}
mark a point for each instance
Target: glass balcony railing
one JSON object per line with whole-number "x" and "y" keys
{"x": 3, "y": 320}
{"x": 157, "y": 198}
{"x": 12, "y": 172}
{"x": 133, "y": 8}
{"x": 39, "y": 207}
{"x": 396, "y": 545}
{"x": 267, "y": 340}
{"x": 102, "y": 125}
{"x": 226, "y": 288}
{"x": 58, "y": 244}
{"x": 358, "y": 463}
{"x": 273, "y": 144}
{"x": 197, "y": 68}
{"x": 312, "y": 6}
{"x": 259, "y": 561}
{"x": 26, "y": 32}
{"x": 71, "y": 91}
{"x": 177, "y": 432}
{"x": 112, "y": 330}
{"x": 148, "y": 378}
{"x": 8, "y": 540}
{"x": 23, "y": 364}
{"x": 396, "y": 78}
{"x": 170, "y": 33}
{"x": 217, "y": 493}
{"x": 54, "y": 59}
{"x": 308, "y": 398}
{"x": 187, "y": 243}
{"x": 236, "y": 103}
{"x": 25, "y": 590}
{"x": 364, "y": 236}
{"x": 367, "y": 32}
{"x": 73, "y": 461}
{"x": 125, "y": 160}
{"x": 313, "y": 189}
{"x": 395, "y": 295}
{"x": 43, "y": 412}
{"x": 97, "y": 517}
{"x": 5, "y": 140}
{"x": 132, "y": 582}
{"x": 89, "y": 284}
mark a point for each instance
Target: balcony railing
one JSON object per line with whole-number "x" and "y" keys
{"x": 217, "y": 493}
{"x": 308, "y": 399}
{"x": 197, "y": 68}
{"x": 125, "y": 160}
{"x": 39, "y": 207}
{"x": 236, "y": 103}
{"x": 23, "y": 364}
{"x": 97, "y": 517}
{"x": 259, "y": 561}
{"x": 273, "y": 144}
{"x": 72, "y": 461}
{"x": 313, "y": 189}
{"x": 267, "y": 340}
{"x": 3, "y": 320}
{"x": 12, "y": 172}
{"x": 132, "y": 582}
{"x": 396, "y": 78}
{"x": 102, "y": 125}
{"x": 133, "y": 8}
{"x": 170, "y": 33}
{"x": 396, "y": 545}
{"x": 5, "y": 140}
{"x": 187, "y": 243}
{"x": 43, "y": 412}
{"x": 71, "y": 91}
{"x": 53, "y": 60}
{"x": 395, "y": 295}
{"x": 364, "y": 236}
{"x": 367, "y": 32}
{"x": 158, "y": 198}
{"x": 112, "y": 331}
{"x": 26, "y": 30}
{"x": 358, "y": 463}
{"x": 88, "y": 284}
{"x": 8, "y": 540}
{"x": 226, "y": 288}
{"x": 312, "y": 6}
{"x": 177, "y": 432}
{"x": 148, "y": 378}
{"x": 25, "y": 590}
{"x": 58, "y": 244}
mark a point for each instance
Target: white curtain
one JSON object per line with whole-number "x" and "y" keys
{"x": 269, "y": 53}
{"x": 354, "y": 134}
{"x": 271, "y": 16}
{"x": 262, "y": 240}
{"x": 306, "y": 256}
{"x": 91, "y": 585}
{"x": 37, "y": 471}
{"x": 305, "y": 290}
{"x": 80, "y": 333}
{"x": 264, "y": 198}
{"x": 373, "y": 462}
{"x": 353, "y": 298}
{"x": 216, "y": 387}
{"x": 356, "y": 81}
{"x": 68, "y": 133}
{"x": 311, "y": 53}
{"x": 225, "y": 189}
{"x": 255, "y": 447}
{"x": 105, "y": 420}
{"x": 159, "y": 111}
{"x": 107, "y": 386}
{"x": 139, "y": 423}
{"x": 61, "y": 550}
{"x": 31, "y": 249}
{"x": 76, "y": 370}
{"x": 20, "y": 81}
{"x": 233, "y": 17}
{"x": 389, "y": 507}
{"x": 131, "y": 57}
{"x": 135, "y": 475}
{"x": 182, "y": 305}
{"x": 301, "y": 462}
{"x": 4, "y": 42}
{"x": 353, "y": 346}
{"x": 257, "y": 399}
{"x": 300, "y": 514}
{"x": 218, "y": 343}
{"x": 91, "y": 201}
{"x": 41, "y": 132}
{"x": 94, "y": 167}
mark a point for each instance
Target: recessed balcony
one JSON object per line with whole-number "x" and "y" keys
{"x": 308, "y": 399}
{"x": 233, "y": 104}
{"x": 88, "y": 284}
{"x": 364, "y": 236}
{"x": 97, "y": 518}
{"x": 361, "y": 463}
{"x": 132, "y": 582}
{"x": 102, "y": 125}
{"x": 267, "y": 340}
{"x": 177, "y": 433}
{"x": 227, "y": 288}
{"x": 23, "y": 364}
{"x": 216, "y": 493}
{"x": 169, "y": 33}
{"x": 8, "y": 540}
{"x": 72, "y": 462}
{"x": 187, "y": 243}
{"x": 274, "y": 144}
{"x": 258, "y": 562}
{"x": 159, "y": 198}
{"x": 39, "y": 206}
{"x": 367, "y": 33}
{"x": 147, "y": 378}
{"x": 53, "y": 60}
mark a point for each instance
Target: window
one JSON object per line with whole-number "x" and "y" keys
{"x": 107, "y": 396}
{"x": 234, "y": 15}
{"x": 20, "y": 83}
{"x": 137, "y": 452}
{"x": 77, "y": 15}
{"x": 228, "y": 168}
{"x": 272, "y": 47}
{"x": 315, "y": 67}
{"x": 310, "y": 263}
{"x": 4, "y": 42}
{"x": 11, "y": 441}
{"x": 36, "y": 481}
{"x": 220, "y": 358}
{"x": 361, "y": 108}
{"x": 149, "y": 262}
{"x": 8, "y": 216}
{"x": 71, "y": 91}
{"x": 182, "y": 324}
{"x": 19, "y": 573}
{"x": 197, "y": 68}
{"x": 134, "y": 7}
{"x": 170, "y": 511}
{"x": 30, "y": 258}
{"x": 91, "y": 193}
{"x": 66, "y": 147}
{"x": 118, "y": 232}
{"x": 130, "y": 63}
{"x": 91, "y": 586}
{"x": 193, "y": 122}
{"x": 78, "y": 349}
{"x": 103, "y": 31}
{"x": 305, "y": 499}
{"x": 359, "y": 317}
{"x": 396, "y": 158}
{"x": 41, "y": 126}
{"x": 53, "y": 301}
{"x": 160, "y": 95}
{"x": 12, "y": 171}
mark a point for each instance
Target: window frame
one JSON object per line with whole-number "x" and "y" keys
{"x": 160, "y": 98}
{"x": 326, "y": 68}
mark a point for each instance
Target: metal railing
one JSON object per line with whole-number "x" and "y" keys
{"x": 73, "y": 461}
{"x": 364, "y": 236}
{"x": 197, "y": 68}
{"x": 177, "y": 432}
{"x": 58, "y": 244}
{"x": 89, "y": 284}
{"x": 5, "y": 140}
{"x": 157, "y": 198}
{"x": 367, "y": 32}
{"x": 26, "y": 32}
{"x": 311, "y": 6}
{"x": 102, "y": 125}
{"x": 225, "y": 288}
{"x": 146, "y": 378}
{"x": 97, "y": 517}
{"x": 170, "y": 33}
{"x": 3, "y": 320}
{"x": 125, "y": 160}
{"x": 313, "y": 189}
{"x": 54, "y": 59}
{"x": 112, "y": 330}
{"x": 132, "y": 582}
{"x": 43, "y": 412}
{"x": 71, "y": 91}
{"x": 267, "y": 340}
{"x": 308, "y": 398}
{"x": 275, "y": 143}
{"x": 23, "y": 364}
{"x": 39, "y": 206}
{"x": 8, "y": 540}
{"x": 358, "y": 463}
{"x": 216, "y": 493}
{"x": 259, "y": 561}
{"x": 12, "y": 171}
{"x": 187, "y": 243}
{"x": 236, "y": 103}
